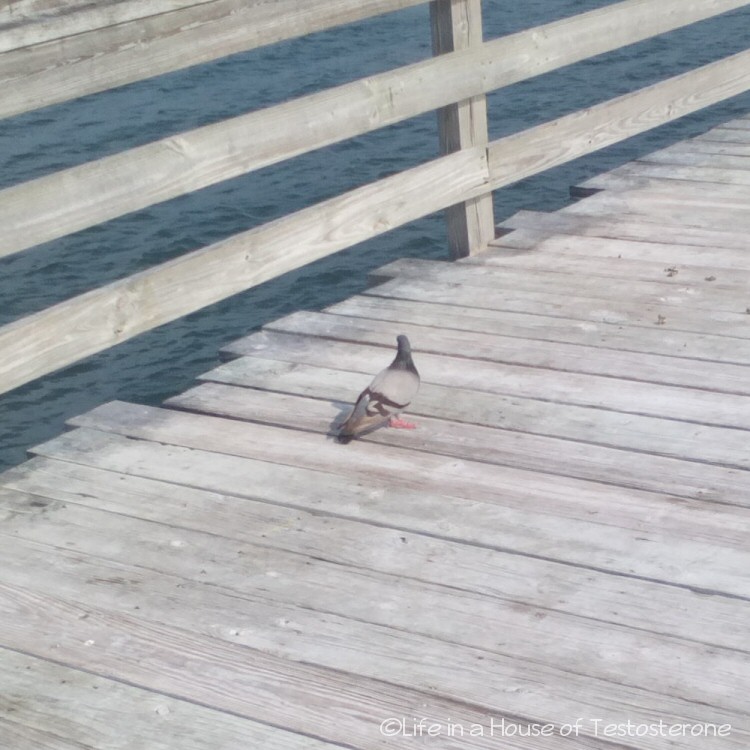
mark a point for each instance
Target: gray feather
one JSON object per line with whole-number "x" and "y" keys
{"x": 390, "y": 392}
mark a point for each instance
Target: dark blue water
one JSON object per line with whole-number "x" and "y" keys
{"x": 165, "y": 361}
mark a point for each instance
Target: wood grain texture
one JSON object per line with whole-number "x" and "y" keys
{"x": 741, "y": 123}
{"x": 626, "y": 225}
{"x": 667, "y": 258}
{"x": 239, "y": 438}
{"x": 673, "y": 202}
{"x": 642, "y": 311}
{"x": 548, "y": 328}
{"x": 502, "y": 379}
{"x": 143, "y": 43}
{"x": 608, "y": 436}
{"x": 27, "y": 22}
{"x": 36, "y": 695}
{"x": 602, "y": 369}
{"x": 457, "y": 26}
{"x": 369, "y": 648}
{"x": 726, "y": 573}
{"x": 316, "y": 700}
{"x": 714, "y": 159}
{"x": 723, "y": 292}
{"x": 389, "y": 514}
{"x": 93, "y": 321}
{"x": 323, "y": 703}
{"x": 91, "y": 62}
{"x": 61, "y": 203}
{"x": 645, "y": 174}
{"x": 498, "y": 524}
{"x": 729, "y": 270}
{"x": 698, "y": 149}
{"x": 726, "y": 135}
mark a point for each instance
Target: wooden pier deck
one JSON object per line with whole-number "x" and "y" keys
{"x": 562, "y": 544}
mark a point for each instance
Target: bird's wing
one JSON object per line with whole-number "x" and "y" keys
{"x": 388, "y": 394}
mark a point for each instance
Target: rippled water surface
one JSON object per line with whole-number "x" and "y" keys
{"x": 160, "y": 363}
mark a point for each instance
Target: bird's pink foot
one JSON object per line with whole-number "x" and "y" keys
{"x": 401, "y": 424}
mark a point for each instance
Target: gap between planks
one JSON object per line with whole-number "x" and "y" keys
{"x": 708, "y": 294}
{"x": 36, "y": 696}
{"x": 313, "y": 335}
{"x": 541, "y": 436}
{"x": 644, "y": 311}
{"x": 295, "y": 539}
{"x": 634, "y": 227}
{"x": 256, "y": 684}
{"x": 477, "y": 614}
{"x": 665, "y": 342}
{"x": 292, "y": 448}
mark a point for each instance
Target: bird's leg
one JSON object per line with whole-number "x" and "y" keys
{"x": 401, "y": 424}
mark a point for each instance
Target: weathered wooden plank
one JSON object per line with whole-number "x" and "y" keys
{"x": 89, "y": 194}
{"x": 547, "y": 328}
{"x": 711, "y": 292}
{"x": 472, "y": 442}
{"x": 25, "y": 737}
{"x": 27, "y": 22}
{"x": 635, "y": 312}
{"x": 468, "y": 408}
{"x": 98, "y": 191}
{"x": 321, "y": 702}
{"x": 638, "y": 227}
{"x": 56, "y": 70}
{"x": 24, "y": 10}
{"x": 351, "y": 645}
{"x": 723, "y": 575}
{"x": 512, "y": 380}
{"x": 726, "y": 573}
{"x": 740, "y": 123}
{"x": 689, "y": 156}
{"x": 521, "y": 155}
{"x": 700, "y": 149}
{"x": 680, "y": 202}
{"x": 665, "y": 260}
{"x": 544, "y": 521}
{"x": 725, "y": 135}
{"x": 172, "y": 41}
{"x": 86, "y": 324}
{"x": 609, "y": 369}
{"x": 674, "y": 269}
{"x": 36, "y": 697}
{"x": 417, "y": 509}
{"x": 313, "y": 583}
{"x": 541, "y": 524}
{"x": 326, "y": 704}
{"x": 458, "y": 26}
{"x": 635, "y": 174}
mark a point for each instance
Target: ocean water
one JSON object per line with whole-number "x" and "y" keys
{"x": 160, "y": 363}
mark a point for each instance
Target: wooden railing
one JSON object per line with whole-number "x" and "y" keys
{"x": 47, "y": 57}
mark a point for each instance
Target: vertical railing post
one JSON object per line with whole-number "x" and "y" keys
{"x": 456, "y": 25}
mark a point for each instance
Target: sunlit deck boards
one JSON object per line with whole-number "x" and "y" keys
{"x": 563, "y": 538}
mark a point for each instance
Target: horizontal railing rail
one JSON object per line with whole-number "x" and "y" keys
{"x": 454, "y": 81}
{"x": 71, "y": 200}
{"x": 114, "y": 54}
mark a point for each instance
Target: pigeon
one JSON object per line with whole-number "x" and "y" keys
{"x": 390, "y": 392}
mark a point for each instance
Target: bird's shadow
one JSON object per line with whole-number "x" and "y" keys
{"x": 343, "y": 409}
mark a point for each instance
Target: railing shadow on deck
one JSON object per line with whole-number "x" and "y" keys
{"x": 50, "y": 59}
